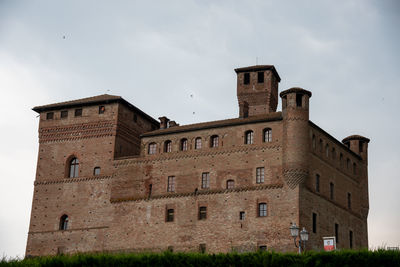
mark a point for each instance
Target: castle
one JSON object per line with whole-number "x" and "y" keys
{"x": 111, "y": 178}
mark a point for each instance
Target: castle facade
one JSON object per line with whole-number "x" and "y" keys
{"x": 111, "y": 178}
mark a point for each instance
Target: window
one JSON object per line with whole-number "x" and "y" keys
{"x": 262, "y": 209}
{"x": 314, "y": 142}
{"x": 73, "y": 168}
{"x": 63, "y": 222}
{"x": 64, "y": 114}
{"x": 260, "y": 175}
{"x": 152, "y": 148}
{"x": 202, "y": 213}
{"x": 171, "y": 184}
{"x": 354, "y": 168}
{"x": 214, "y": 141}
{"x": 332, "y": 190}
{"x": 348, "y": 164}
{"x": 248, "y": 138}
{"x": 327, "y": 150}
{"x": 320, "y": 145}
{"x": 150, "y": 189}
{"x": 351, "y": 239}
{"x": 202, "y": 248}
{"x": 134, "y": 117}
{"x": 333, "y": 153}
{"x": 314, "y": 222}
{"x": 205, "y": 180}
{"x": 246, "y": 78}
{"x": 242, "y": 215}
{"x": 170, "y": 215}
{"x": 49, "y": 115}
{"x": 262, "y": 248}
{"x": 184, "y": 144}
{"x": 349, "y": 201}
{"x": 299, "y": 100}
{"x": 167, "y": 146}
{"x": 267, "y": 135}
{"x": 317, "y": 183}
{"x": 341, "y": 160}
{"x": 337, "y": 232}
{"x": 360, "y": 146}
{"x": 102, "y": 109}
{"x": 197, "y": 143}
{"x": 260, "y": 77}
{"x": 230, "y": 184}
{"x": 78, "y": 112}
{"x": 96, "y": 171}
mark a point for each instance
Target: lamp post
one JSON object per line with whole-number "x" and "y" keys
{"x": 294, "y": 231}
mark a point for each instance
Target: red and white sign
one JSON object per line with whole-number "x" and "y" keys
{"x": 329, "y": 243}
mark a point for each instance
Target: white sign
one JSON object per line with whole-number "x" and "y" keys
{"x": 329, "y": 243}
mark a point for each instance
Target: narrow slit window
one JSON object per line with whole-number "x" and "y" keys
{"x": 202, "y": 213}
{"x": 332, "y": 190}
{"x": 299, "y": 100}
{"x": 170, "y": 215}
{"x": 317, "y": 183}
{"x": 260, "y": 77}
{"x": 246, "y": 78}
{"x": 314, "y": 223}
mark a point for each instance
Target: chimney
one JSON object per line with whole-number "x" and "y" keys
{"x": 173, "y": 124}
{"x": 243, "y": 109}
{"x": 163, "y": 122}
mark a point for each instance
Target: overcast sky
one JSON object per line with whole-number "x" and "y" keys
{"x": 155, "y": 54}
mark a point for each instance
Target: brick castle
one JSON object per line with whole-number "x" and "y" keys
{"x": 111, "y": 178}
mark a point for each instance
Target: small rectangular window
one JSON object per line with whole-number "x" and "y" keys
{"x": 96, "y": 171}
{"x": 260, "y": 175}
{"x": 49, "y": 115}
{"x": 202, "y": 213}
{"x": 171, "y": 184}
{"x": 349, "y": 201}
{"x": 337, "y": 232}
{"x": 314, "y": 222}
{"x": 299, "y": 100}
{"x": 262, "y": 210}
{"x": 205, "y": 180}
{"x": 78, "y": 112}
{"x": 317, "y": 183}
{"x": 170, "y": 215}
{"x": 202, "y": 248}
{"x": 242, "y": 215}
{"x": 102, "y": 109}
{"x": 260, "y": 77}
{"x": 246, "y": 78}
{"x": 332, "y": 190}
{"x": 64, "y": 114}
{"x": 351, "y": 239}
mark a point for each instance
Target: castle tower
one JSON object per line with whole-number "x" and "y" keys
{"x": 295, "y": 111}
{"x": 257, "y": 90}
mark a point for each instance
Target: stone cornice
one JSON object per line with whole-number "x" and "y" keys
{"x": 73, "y": 180}
{"x": 198, "y": 193}
{"x": 68, "y": 230}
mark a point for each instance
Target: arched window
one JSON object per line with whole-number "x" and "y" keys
{"x": 197, "y": 143}
{"x": 267, "y": 135}
{"x": 248, "y": 137}
{"x": 262, "y": 209}
{"x": 214, "y": 141}
{"x": 327, "y": 150}
{"x": 230, "y": 184}
{"x": 63, "y": 222}
{"x": 314, "y": 142}
{"x": 167, "y": 146}
{"x": 184, "y": 144}
{"x": 73, "y": 168}
{"x": 152, "y": 148}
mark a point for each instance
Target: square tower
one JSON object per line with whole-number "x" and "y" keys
{"x": 257, "y": 90}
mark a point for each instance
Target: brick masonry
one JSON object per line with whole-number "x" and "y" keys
{"x": 125, "y": 207}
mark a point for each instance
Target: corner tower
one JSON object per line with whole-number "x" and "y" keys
{"x": 295, "y": 112}
{"x": 257, "y": 90}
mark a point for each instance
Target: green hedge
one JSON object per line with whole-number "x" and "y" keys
{"x": 338, "y": 258}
